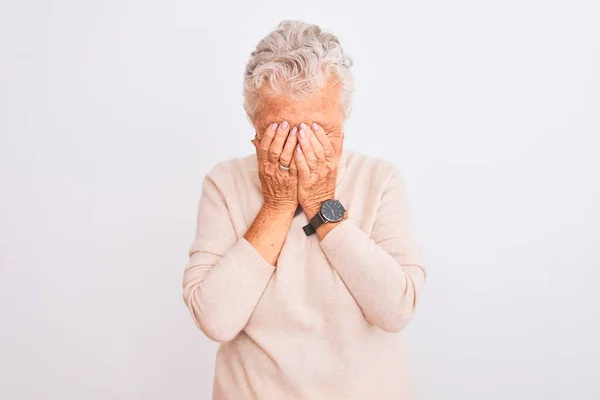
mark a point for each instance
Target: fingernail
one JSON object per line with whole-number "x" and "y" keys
{"x": 294, "y": 131}
{"x": 302, "y": 133}
{"x": 315, "y": 126}
{"x": 284, "y": 125}
{"x": 274, "y": 126}
{"x": 303, "y": 126}
{"x": 298, "y": 149}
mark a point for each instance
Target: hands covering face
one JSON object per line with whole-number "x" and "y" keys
{"x": 296, "y": 166}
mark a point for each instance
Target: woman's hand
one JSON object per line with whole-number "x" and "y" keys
{"x": 275, "y": 148}
{"x": 316, "y": 163}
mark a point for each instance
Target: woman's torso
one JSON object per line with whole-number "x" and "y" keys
{"x": 307, "y": 337}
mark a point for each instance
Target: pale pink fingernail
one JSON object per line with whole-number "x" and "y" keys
{"x": 284, "y": 125}
{"x": 298, "y": 149}
{"x": 274, "y": 126}
{"x": 294, "y": 131}
{"x": 302, "y": 133}
{"x": 303, "y": 126}
{"x": 315, "y": 126}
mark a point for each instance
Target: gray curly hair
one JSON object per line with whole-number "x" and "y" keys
{"x": 296, "y": 60}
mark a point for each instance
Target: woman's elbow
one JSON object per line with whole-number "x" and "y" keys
{"x": 395, "y": 322}
{"x": 208, "y": 321}
{"x": 217, "y": 332}
{"x": 401, "y": 308}
{"x": 396, "y": 316}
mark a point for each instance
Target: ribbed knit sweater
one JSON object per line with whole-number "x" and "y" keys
{"x": 325, "y": 322}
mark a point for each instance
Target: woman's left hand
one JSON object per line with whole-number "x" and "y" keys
{"x": 317, "y": 164}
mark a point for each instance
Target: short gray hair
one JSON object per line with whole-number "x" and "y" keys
{"x": 296, "y": 59}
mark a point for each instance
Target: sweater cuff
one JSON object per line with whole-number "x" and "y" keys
{"x": 250, "y": 260}
{"x": 345, "y": 232}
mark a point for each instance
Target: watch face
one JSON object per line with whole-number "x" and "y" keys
{"x": 332, "y": 210}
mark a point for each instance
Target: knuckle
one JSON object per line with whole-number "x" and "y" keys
{"x": 263, "y": 147}
{"x": 273, "y": 153}
{"x": 269, "y": 133}
{"x": 264, "y": 156}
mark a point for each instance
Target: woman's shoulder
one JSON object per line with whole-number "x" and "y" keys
{"x": 374, "y": 167}
{"x": 234, "y": 166}
{"x": 235, "y": 172}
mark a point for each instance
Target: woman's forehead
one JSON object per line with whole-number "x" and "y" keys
{"x": 322, "y": 107}
{"x": 321, "y": 119}
{"x": 294, "y": 114}
{"x": 295, "y": 118}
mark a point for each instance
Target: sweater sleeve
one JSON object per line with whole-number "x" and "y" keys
{"x": 225, "y": 276}
{"x": 383, "y": 272}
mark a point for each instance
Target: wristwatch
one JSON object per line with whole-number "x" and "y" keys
{"x": 331, "y": 211}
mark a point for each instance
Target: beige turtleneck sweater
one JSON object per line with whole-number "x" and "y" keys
{"x": 325, "y": 323}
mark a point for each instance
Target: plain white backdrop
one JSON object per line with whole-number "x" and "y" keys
{"x": 113, "y": 111}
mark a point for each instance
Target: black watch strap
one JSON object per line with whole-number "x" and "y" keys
{"x": 314, "y": 223}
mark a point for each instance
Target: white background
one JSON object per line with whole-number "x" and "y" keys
{"x": 112, "y": 112}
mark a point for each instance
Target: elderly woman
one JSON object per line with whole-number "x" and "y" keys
{"x": 304, "y": 266}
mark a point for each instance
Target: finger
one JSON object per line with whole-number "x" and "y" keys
{"x": 328, "y": 149}
{"x": 278, "y": 141}
{"x": 314, "y": 142}
{"x": 288, "y": 150}
{"x": 306, "y": 146}
{"x": 255, "y": 144}
{"x": 301, "y": 164}
{"x": 266, "y": 141}
{"x": 293, "y": 166}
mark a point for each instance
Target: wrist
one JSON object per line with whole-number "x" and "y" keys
{"x": 312, "y": 208}
{"x": 279, "y": 209}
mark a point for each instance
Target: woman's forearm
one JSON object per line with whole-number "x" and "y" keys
{"x": 385, "y": 290}
{"x": 227, "y": 274}
{"x": 222, "y": 295}
{"x": 268, "y": 232}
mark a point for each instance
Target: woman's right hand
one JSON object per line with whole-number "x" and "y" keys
{"x": 275, "y": 148}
